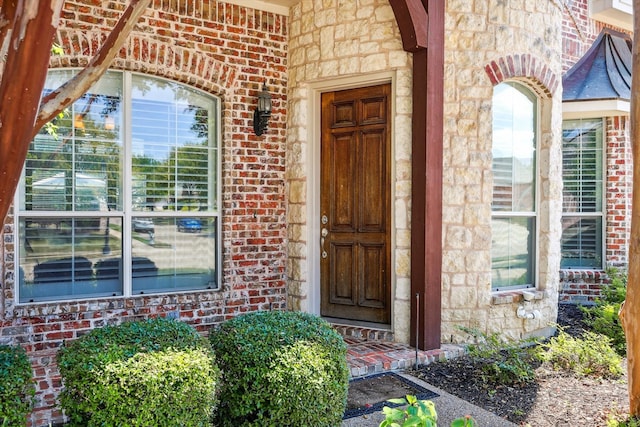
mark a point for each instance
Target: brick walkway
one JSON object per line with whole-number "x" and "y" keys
{"x": 371, "y": 357}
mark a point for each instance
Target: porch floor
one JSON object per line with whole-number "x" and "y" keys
{"x": 368, "y": 357}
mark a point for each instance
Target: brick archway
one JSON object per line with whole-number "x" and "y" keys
{"x": 519, "y": 66}
{"x": 149, "y": 56}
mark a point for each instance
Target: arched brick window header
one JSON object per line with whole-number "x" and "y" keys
{"x": 149, "y": 56}
{"x": 518, "y": 67}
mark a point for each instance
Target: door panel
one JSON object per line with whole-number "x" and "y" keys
{"x": 342, "y": 275}
{"x": 342, "y": 189}
{"x": 373, "y": 182}
{"x": 355, "y": 200}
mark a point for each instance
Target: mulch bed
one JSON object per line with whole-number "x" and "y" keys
{"x": 369, "y": 394}
{"x": 554, "y": 399}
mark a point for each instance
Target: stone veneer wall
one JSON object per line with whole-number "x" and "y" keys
{"x": 227, "y": 51}
{"x": 331, "y": 41}
{"x": 488, "y": 42}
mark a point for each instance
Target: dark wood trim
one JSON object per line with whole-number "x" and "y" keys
{"x": 426, "y": 180}
{"x": 412, "y": 19}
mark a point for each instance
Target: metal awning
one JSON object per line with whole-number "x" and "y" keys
{"x": 603, "y": 73}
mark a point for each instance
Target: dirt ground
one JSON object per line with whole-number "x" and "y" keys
{"x": 553, "y": 399}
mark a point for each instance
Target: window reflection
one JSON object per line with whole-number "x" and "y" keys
{"x": 58, "y": 257}
{"x": 72, "y": 216}
{"x": 513, "y": 149}
{"x": 512, "y": 244}
{"x": 177, "y": 253}
{"x": 514, "y": 186}
{"x": 172, "y": 148}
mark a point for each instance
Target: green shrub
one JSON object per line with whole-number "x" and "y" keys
{"x": 143, "y": 373}
{"x": 603, "y": 317}
{"x": 280, "y": 368}
{"x": 591, "y": 355}
{"x": 503, "y": 362}
{"x": 16, "y": 386}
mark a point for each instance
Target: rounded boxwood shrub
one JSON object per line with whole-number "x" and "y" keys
{"x": 16, "y": 386}
{"x": 143, "y": 373}
{"x": 280, "y": 368}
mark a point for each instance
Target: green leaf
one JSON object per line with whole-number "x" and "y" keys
{"x": 467, "y": 421}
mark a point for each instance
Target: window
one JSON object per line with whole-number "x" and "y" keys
{"x": 583, "y": 194}
{"x": 123, "y": 197}
{"x": 513, "y": 225}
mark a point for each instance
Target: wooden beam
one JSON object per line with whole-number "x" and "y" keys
{"x": 426, "y": 164}
{"x": 411, "y": 16}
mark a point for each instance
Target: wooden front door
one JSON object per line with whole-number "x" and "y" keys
{"x": 355, "y": 271}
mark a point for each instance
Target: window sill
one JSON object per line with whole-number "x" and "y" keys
{"x": 583, "y": 274}
{"x": 515, "y": 296}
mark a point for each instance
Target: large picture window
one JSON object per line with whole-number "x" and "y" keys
{"x": 583, "y": 194}
{"x": 120, "y": 195}
{"x": 513, "y": 225}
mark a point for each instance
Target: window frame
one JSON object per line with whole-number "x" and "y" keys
{"x": 128, "y": 214}
{"x": 534, "y": 215}
{"x": 602, "y": 213}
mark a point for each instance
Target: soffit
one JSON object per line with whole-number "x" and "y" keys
{"x": 277, "y": 6}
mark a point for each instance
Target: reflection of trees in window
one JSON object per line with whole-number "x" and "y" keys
{"x": 80, "y": 167}
{"x": 200, "y": 126}
{"x": 150, "y": 182}
{"x": 191, "y": 165}
{"x": 514, "y": 211}
{"x": 62, "y": 169}
{"x": 178, "y": 182}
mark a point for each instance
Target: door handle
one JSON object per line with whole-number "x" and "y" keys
{"x": 323, "y": 233}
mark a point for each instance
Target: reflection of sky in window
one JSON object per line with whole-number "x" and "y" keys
{"x": 513, "y": 122}
{"x": 102, "y": 100}
{"x": 163, "y": 117}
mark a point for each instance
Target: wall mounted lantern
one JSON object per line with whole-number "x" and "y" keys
{"x": 263, "y": 111}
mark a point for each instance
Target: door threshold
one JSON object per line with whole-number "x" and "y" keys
{"x": 367, "y": 331}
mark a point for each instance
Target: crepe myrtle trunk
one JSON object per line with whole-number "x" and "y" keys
{"x": 27, "y": 29}
{"x": 27, "y": 34}
{"x": 630, "y": 311}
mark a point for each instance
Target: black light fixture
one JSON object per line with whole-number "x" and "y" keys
{"x": 263, "y": 111}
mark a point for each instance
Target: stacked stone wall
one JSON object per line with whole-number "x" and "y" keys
{"x": 488, "y": 42}
{"x": 228, "y": 51}
{"x": 334, "y": 44}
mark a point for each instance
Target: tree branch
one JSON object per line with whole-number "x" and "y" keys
{"x": 32, "y": 27}
{"x": 7, "y": 11}
{"x": 59, "y": 99}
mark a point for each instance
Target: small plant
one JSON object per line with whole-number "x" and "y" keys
{"x": 504, "y": 362}
{"x": 16, "y": 386}
{"x": 603, "y": 316}
{"x": 153, "y": 372}
{"x": 417, "y": 413}
{"x": 617, "y": 418}
{"x": 280, "y": 368}
{"x": 590, "y": 355}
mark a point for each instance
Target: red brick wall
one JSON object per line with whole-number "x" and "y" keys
{"x": 225, "y": 50}
{"x": 583, "y": 286}
{"x": 619, "y": 190}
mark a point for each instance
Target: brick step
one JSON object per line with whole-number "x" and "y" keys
{"x": 363, "y": 333}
